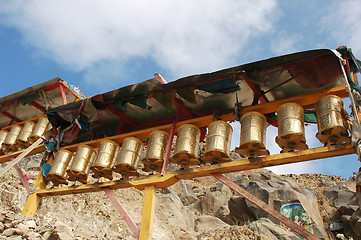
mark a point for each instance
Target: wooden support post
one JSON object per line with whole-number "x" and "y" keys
{"x": 23, "y": 179}
{"x": 146, "y": 227}
{"x": 34, "y": 199}
{"x": 63, "y": 94}
{"x": 122, "y": 212}
{"x": 265, "y": 207}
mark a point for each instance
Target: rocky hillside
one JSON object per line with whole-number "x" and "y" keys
{"x": 194, "y": 209}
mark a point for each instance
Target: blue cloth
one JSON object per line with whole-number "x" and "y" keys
{"x": 46, "y": 169}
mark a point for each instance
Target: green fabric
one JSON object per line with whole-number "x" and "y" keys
{"x": 29, "y": 98}
{"x": 310, "y": 117}
{"x": 166, "y": 100}
{"x": 351, "y": 58}
{"x": 187, "y": 93}
{"x": 121, "y": 104}
{"x": 224, "y": 86}
{"x": 140, "y": 101}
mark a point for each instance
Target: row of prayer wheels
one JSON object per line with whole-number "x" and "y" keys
{"x": 332, "y": 129}
{"x": 20, "y": 137}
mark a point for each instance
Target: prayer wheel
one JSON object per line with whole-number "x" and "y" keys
{"x": 156, "y": 149}
{"x": 3, "y": 134}
{"x": 218, "y": 142}
{"x": 291, "y": 134}
{"x": 253, "y": 135}
{"x": 187, "y": 146}
{"x": 80, "y": 167}
{"x": 57, "y": 173}
{"x": 10, "y": 139}
{"x": 331, "y": 123}
{"x": 40, "y": 128}
{"x": 128, "y": 157}
{"x": 105, "y": 159}
{"x": 25, "y": 133}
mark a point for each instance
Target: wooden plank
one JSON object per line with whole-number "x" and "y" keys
{"x": 122, "y": 212}
{"x": 146, "y": 226}
{"x": 169, "y": 178}
{"x": 31, "y": 205}
{"x": 265, "y": 207}
{"x": 24, "y": 181}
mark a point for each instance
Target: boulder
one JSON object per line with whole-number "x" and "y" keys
{"x": 184, "y": 192}
{"x": 208, "y": 223}
{"x": 9, "y": 232}
{"x": 272, "y": 231}
{"x": 340, "y": 195}
{"x": 62, "y": 232}
{"x": 211, "y": 202}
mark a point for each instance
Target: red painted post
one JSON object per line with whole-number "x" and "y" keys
{"x": 23, "y": 179}
{"x": 63, "y": 95}
{"x": 265, "y": 207}
{"x": 122, "y": 212}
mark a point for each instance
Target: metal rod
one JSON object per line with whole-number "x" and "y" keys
{"x": 265, "y": 207}
{"x": 23, "y": 179}
{"x": 63, "y": 95}
{"x": 122, "y": 212}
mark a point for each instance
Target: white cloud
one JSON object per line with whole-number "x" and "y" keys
{"x": 343, "y": 22}
{"x": 183, "y": 37}
{"x": 284, "y": 43}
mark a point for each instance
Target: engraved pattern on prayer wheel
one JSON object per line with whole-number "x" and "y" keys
{"x": 3, "y": 134}
{"x": 80, "y": 167}
{"x": 11, "y": 139}
{"x": 291, "y": 135}
{"x": 331, "y": 123}
{"x": 253, "y": 135}
{"x": 187, "y": 146}
{"x": 128, "y": 157}
{"x": 218, "y": 142}
{"x": 156, "y": 149}
{"x": 25, "y": 133}
{"x": 40, "y": 128}
{"x": 105, "y": 159}
{"x": 57, "y": 173}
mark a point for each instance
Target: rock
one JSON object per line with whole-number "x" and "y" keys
{"x": 270, "y": 230}
{"x": 2, "y": 227}
{"x": 34, "y": 163}
{"x": 211, "y": 202}
{"x": 9, "y": 232}
{"x": 19, "y": 216}
{"x": 240, "y": 213}
{"x": 15, "y": 237}
{"x": 31, "y": 224}
{"x": 347, "y": 209}
{"x": 22, "y": 228}
{"x": 224, "y": 189}
{"x": 327, "y": 183}
{"x": 340, "y": 195}
{"x": 241, "y": 179}
{"x": 62, "y": 231}
{"x": 184, "y": 192}
{"x": 36, "y": 236}
{"x": 8, "y": 225}
{"x": 258, "y": 177}
{"x": 208, "y": 223}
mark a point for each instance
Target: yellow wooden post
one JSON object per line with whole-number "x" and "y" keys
{"x": 146, "y": 227}
{"x": 34, "y": 199}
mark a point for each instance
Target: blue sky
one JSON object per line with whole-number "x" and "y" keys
{"x": 103, "y": 45}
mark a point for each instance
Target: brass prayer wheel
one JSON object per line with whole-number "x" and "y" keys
{"x": 57, "y": 173}
{"x": 105, "y": 159}
{"x": 291, "y": 133}
{"x": 83, "y": 159}
{"x": 3, "y": 134}
{"x": 218, "y": 142}
{"x": 331, "y": 123}
{"x": 156, "y": 149}
{"x": 25, "y": 133}
{"x": 40, "y": 128}
{"x": 253, "y": 135}
{"x": 128, "y": 157}
{"x": 11, "y": 139}
{"x": 187, "y": 146}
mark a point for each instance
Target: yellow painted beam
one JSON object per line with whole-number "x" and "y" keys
{"x": 31, "y": 205}
{"x": 146, "y": 226}
{"x": 170, "y": 178}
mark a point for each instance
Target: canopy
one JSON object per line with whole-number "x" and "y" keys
{"x": 151, "y": 103}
